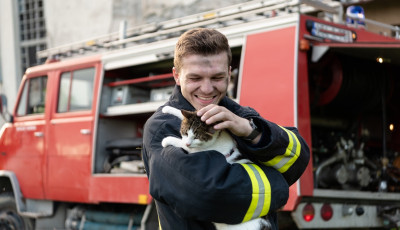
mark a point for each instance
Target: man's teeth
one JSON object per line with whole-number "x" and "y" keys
{"x": 205, "y": 98}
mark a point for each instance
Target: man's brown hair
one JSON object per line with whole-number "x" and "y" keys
{"x": 201, "y": 41}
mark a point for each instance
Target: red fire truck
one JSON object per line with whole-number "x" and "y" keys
{"x": 70, "y": 151}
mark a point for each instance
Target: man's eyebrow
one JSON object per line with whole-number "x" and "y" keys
{"x": 193, "y": 75}
{"x": 214, "y": 75}
{"x": 220, "y": 73}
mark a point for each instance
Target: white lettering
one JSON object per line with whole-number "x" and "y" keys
{"x": 26, "y": 128}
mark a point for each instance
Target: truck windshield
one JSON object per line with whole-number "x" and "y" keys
{"x": 33, "y": 96}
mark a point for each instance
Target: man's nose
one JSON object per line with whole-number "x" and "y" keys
{"x": 206, "y": 86}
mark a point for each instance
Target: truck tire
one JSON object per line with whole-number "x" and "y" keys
{"x": 9, "y": 217}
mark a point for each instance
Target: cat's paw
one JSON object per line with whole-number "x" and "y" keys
{"x": 259, "y": 223}
{"x": 168, "y": 141}
{"x": 265, "y": 224}
{"x": 173, "y": 111}
{"x": 164, "y": 142}
{"x": 166, "y": 109}
{"x": 243, "y": 161}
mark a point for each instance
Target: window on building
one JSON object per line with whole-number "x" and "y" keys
{"x": 32, "y": 100}
{"x": 32, "y": 31}
{"x": 76, "y": 90}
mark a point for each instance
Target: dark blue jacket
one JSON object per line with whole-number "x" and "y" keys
{"x": 193, "y": 190}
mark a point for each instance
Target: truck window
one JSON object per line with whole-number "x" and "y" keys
{"x": 76, "y": 90}
{"x": 33, "y": 96}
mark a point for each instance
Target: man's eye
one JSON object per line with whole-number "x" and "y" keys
{"x": 218, "y": 78}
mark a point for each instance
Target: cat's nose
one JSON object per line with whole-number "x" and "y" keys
{"x": 188, "y": 144}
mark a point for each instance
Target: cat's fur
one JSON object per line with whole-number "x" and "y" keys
{"x": 198, "y": 136}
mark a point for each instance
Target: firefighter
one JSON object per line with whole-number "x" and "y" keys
{"x": 191, "y": 191}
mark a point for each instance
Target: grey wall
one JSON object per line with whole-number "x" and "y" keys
{"x": 9, "y": 51}
{"x": 77, "y": 20}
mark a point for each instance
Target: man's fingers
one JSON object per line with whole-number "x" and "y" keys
{"x": 209, "y": 111}
{"x": 222, "y": 125}
{"x": 205, "y": 109}
{"x": 224, "y": 118}
{"x": 217, "y": 117}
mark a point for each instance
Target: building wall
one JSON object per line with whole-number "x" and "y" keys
{"x": 10, "y": 61}
{"x": 77, "y": 20}
{"x": 386, "y": 11}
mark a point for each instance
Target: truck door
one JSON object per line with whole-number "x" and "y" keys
{"x": 27, "y": 143}
{"x": 70, "y": 134}
{"x": 269, "y": 79}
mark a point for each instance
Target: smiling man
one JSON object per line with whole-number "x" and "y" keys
{"x": 192, "y": 191}
{"x": 203, "y": 79}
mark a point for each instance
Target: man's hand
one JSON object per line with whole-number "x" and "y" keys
{"x": 238, "y": 126}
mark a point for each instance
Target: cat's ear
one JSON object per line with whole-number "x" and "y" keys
{"x": 186, "y": 113}
{"x": 210, "y": 131}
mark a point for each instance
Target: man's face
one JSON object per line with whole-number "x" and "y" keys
{"x": 203, "y": 79}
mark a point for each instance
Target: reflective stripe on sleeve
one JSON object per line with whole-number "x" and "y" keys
{"x": 283, "y": 162}
{"x": 261, "y": 194}
{"x": 159, "y": 222}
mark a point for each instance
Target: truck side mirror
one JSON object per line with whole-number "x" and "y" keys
{"x": 3, "y": 103}
{"x": 3, "y": 107}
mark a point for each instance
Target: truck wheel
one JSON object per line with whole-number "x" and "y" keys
{"x": 9, "y": 218}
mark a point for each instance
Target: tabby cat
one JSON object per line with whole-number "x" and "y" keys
{"x": 198, "y": 136}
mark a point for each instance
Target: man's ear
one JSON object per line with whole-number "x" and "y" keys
{"x": 230, "y": 74}
{"x": 176, "y": 76}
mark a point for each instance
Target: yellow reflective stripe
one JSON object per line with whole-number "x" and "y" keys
{"x": 261, "y": 192}
{"x": 159, "y": 222}
{"x": 288, "y": 151}
{"x": 254, "y": 199}
{"x": 291, "y": 159}
{"x": 283, "y": 162}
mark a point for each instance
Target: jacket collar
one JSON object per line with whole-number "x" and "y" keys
{"x": 178, "y": 101}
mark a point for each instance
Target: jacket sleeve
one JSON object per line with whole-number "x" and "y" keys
{"x": 280, "y": 147}
{"x": 203, "y": 186}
